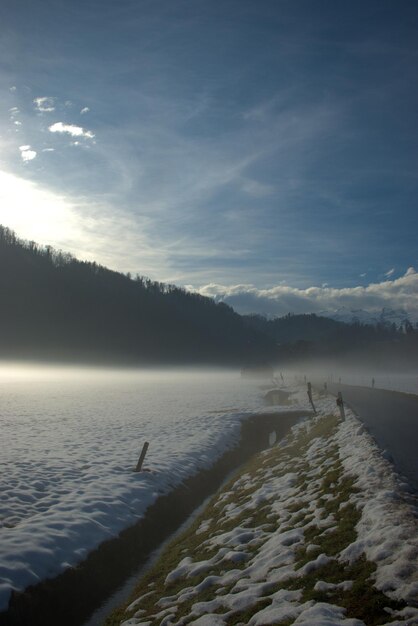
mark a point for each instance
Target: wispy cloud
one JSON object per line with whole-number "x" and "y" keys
{"x": 44, "y": 104}
{"x": 71, "y": 129}
{"x": 282, "y": 299}
{"x": 390, "y": 273}
{"x": 256, "y": 189}
{"x": 27, "y": 154}
{"x": 14, "y": 115}
{"x": 84, "y": 110}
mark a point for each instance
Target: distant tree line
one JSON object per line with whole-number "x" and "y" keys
{"x": 312, "y": 337}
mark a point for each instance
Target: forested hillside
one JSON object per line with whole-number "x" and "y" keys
{"x": 309, "y": 336}
{"x": 290, "y": 328}
{"x": 54, "y": 306}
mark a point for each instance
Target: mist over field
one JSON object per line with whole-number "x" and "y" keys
{"x": 51, "y": 372}
{"x": 354, "y": 372}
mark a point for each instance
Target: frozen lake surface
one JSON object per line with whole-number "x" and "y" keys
{"x": 70, "y": 441}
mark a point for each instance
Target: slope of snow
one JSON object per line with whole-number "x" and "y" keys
{"x": 69, "y": 446}
{"x": 253, "y": 572}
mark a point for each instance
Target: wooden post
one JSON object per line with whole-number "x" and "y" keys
{"x": 142, "y": 457}
{"x": 325, "y": 387}
{"x": 340, "y": 404}
{"x": 310, "y": 397}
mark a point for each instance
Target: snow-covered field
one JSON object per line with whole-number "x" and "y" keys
{"x": 70, "y": 441}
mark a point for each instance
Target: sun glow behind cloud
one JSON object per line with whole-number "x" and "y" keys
{"x": 78, "y": 226}
{"x": 35, "y": 213}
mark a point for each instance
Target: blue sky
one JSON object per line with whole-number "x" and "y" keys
{"x": 239, "y": 148}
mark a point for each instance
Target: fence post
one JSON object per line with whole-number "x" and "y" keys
{"x": 340, "y": 404}
{"x": 325, "y": 387}
{"x": 310, "y": 397}
{"x": 142, "y": 457}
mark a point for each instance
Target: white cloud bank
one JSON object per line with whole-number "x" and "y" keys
{"x": 280, "y": 300}
{"x": 70, "y": 129}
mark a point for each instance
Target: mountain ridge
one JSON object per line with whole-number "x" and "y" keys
{"x": 385, "y": 316}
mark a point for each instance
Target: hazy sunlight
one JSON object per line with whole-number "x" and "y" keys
{"x": 35, "y": 213}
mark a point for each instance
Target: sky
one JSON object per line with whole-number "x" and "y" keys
{"x": 261, "y": 152}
